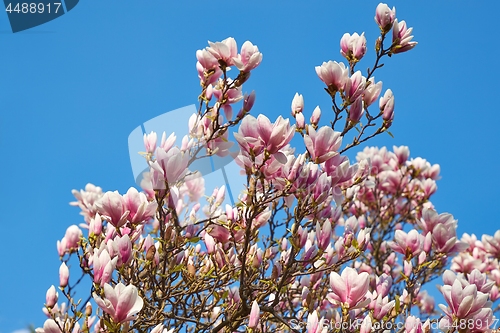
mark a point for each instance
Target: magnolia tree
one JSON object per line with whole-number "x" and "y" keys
{"x": 313, "y": 243}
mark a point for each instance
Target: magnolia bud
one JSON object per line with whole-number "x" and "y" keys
{"x": 63, "y": 275}
{"x": 88, "y": 309}
{"x": 51, "y": 297}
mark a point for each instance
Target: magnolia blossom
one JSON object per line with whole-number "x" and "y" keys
{"x": 253, "y": 321}
{"x": 51, "y": 297}
{"x": 372, "y": 91}
{"x": 257, "y": 134}
{"x": 169, "y": 166}
{"x": 297, "y": 104}
{"x": 140, "y": 210}
{"x": 353, "y": 47}
{"x": 323, "y": 144}
{"x": 225, "y": 50}
{"x": 63, "y": 275}
{"x": 387, "y": 108}
{"x": 113, "y": 208}
{"x": 410, "y": 244}
{"x": 314, "y": 325}
{"x": 249, "y": 57}
{"x": 316, "y": 115}
{"x": 467, "y": 304}
{"x": 384, "y": 16}
{"x": 50, "y": 326}
{"x": 122, "y": 302}
{"x": 349, "y": 289}
{"x": 401, "y": 37}
{"x": 333, "y": 74}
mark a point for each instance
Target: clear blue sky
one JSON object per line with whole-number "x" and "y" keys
{"x": 73, "y": 89}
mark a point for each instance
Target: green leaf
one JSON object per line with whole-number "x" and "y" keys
{"x": 392, "y": 136}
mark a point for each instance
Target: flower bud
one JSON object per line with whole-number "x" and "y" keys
{"x": 248, "y": 101}
{"x": 353, "y": 47}
{"x": 387, "y": 107}
{"x": 88, "y": 309}
{"x": 63, "y": 275}
{"x": 51, "y": 297}
{"x": 356, "y": 110}
{"x": 407, "y": 268}
{"x": 253, "y": 321}
{"x": 297, "y": 104}
{"x": 209, "y": 92}
{"x": 299, "y": 117}
{"x": 385, "y": 17}
{"x": 316, "y": 115}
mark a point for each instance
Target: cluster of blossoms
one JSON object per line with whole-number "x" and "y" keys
{"x": 313, "y": 238}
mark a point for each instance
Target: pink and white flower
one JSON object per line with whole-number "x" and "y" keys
{"x": 122, "y": 302}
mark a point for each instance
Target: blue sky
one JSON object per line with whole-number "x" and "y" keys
{"x": 73, "y": 89}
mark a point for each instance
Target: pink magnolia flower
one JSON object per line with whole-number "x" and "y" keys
{"x": 366, "y": 325}
{"x": 492, "y": 243}
{"x": 324, "y": 234}
{"x": 170, "y": 166}
{"x": 300, "y": 121}
{"x": 49, "y": 326}
{"x": 63, "y": 275}
{"x": 297, "y": 104}
{"x": 253, "y": 321}
{"x": 355, "y": 86}
{"x": 275, "y": 136}
{"x": 430, "y": 219}
{"x": 350, "y": 288}
{"x": 225, "y": 50}
{"x": 257, "y": 134}
{"x": 103, "y": 266}
{"x": 51, "y": 297}
{"x": 209, "y": 243}
{"x": 333, "y": 74}
{"x": 387, "y": 106}
{"x": 69, "y": 243}
{"x": 323, "y": 144}
{"x": 248, "y": 101}
{"x": 249, "y": 57}
{"x": 150, "y": 141}
{"x": 410, "y": 244}
{"x": 316, "y": 115}
{"x": 465, "y": 303}
{"x": 122, "y": 302}
{"x": 384, "y": 16}
{"x": 413, "y": 325}
{"x": 206, "y": 60}
{"x": 124, "y": 247}
{"x": 140, "y": 210}
{"x": 356, "y": 110}
{"x": 401, "y": 37}
{"x": 444, "y": 238}
{"x": 314, "y": 325}
{"x": 353, "y": 47}
{"x": 372, "y": 92}
{"x": 384, "y": 283}
{"x": 72, "y": 236}
{"x": 113, "y": 208}
{"x": 382, "y": 306}
{"x": 426, "y": 302}
{"x": 248, "y": 136}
